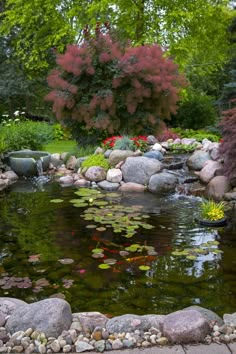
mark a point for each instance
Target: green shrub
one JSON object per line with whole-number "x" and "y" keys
{"x": 199, "y": 135}
{"x": 26, "y": 135}
{"x": 196, "y": 111}
{"x": 181, "y": 148}
{"x": 124, "y": 143}
{"x": 96, "y": 160}
{"x": 61, "y": 133}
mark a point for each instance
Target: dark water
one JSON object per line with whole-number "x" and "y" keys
{"x": 32, "y": 226}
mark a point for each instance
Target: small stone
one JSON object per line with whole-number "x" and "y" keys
{"x": 3, "y": 350}
{"x": 100, "y": 346}
{"x": 128, "y": 343}
{"x": 216, "y": 328}
{"x": 25, "y": 342}
{"x": 216, "y": 334}
{"x": 42, "y": 349}
{"x": 146, "y": 344}
{"x": 232, "y": 337}
{"x": 73, "y": 335}
{"x": 108, "y": 346}
{"x": 97, "y": 333}
{"x": 67, "y": 348}
{"x": 62, "y": 343}
{"x": 18, "y": 349}
{"x": 28, "y": 332}
{"x": 105, "y": 334}
{"x": 35, "y": 334}
{"x": 1, "y": 343}
{"x": 81, "y": 346}
{"x": 153, "y": 338}
{"x": 30, "y": 349}
{"x": 226, "y": 338}
{"x": 162, "y": 341}
{"x": 76, "y": 325}
{"x": 117, "y": 344}
{"x": 55, "y": 346}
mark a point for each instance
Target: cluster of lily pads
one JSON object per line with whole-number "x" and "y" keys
{"x": 203, "y": 249}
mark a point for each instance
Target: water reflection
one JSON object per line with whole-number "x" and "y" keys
{"x": 31, "y": 225}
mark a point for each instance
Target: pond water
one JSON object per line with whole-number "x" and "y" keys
{"x": 48, "y": 248}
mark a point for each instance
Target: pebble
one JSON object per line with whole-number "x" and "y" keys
{"x": 162, "y": 341}
{"x": 117, "y": 344}
{"x": 18, "y": 349}
{"x": 67, "y": 348}
{"x": 146, "y": 344}
{"x": 55, "y": 346}
{"x": 30, "y": 349}
{"x": 42, "y": 349}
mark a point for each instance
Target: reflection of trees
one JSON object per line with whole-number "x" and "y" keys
{"x": 30, "y": 219}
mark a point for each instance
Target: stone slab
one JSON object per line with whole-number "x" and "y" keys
{"x": 213, "y": 348}
{"x": 232, "y": 347}
{"x": 177, "y": 349}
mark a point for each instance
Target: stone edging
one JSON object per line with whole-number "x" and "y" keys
{"x": 48, "y": 326}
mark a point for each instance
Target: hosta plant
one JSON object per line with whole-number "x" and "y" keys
{"x": 212, "y": 211}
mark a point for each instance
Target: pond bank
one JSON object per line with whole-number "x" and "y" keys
{"x": 48, "y": 326}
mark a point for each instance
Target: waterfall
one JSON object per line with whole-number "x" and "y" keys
{"x": 39, "y": 166}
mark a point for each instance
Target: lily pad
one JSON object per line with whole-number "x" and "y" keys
{"x": 110, "y": 261}
{"x": 66, "y": 261}
{"x": 144, "y": 267}
{"x": 101, "y": 229}
{"x": 97, "y": 250}
{"x": 56, "y": 201}
{"x": 91, "y": 227}
{"x": 104, "y": 266}
{"x": 191, "y": 257}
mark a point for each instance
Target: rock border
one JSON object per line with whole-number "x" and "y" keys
{"x": 48, "y": 326}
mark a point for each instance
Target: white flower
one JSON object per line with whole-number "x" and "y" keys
{"x": 16, "y": 113}
{"x": 16, "y": 120}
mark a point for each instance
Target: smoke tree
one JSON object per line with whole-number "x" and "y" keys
{"x": 104, "y": 85}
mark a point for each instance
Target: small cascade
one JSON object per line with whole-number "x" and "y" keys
{"x": 39, "y": 166}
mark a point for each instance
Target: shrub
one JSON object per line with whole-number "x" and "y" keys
{"x": 167, "y": 134}
{"x": 102, "y": 85}
{"x": 96, "y": 160}
{"x": 199, "y": 135}
{"x": 61, "y": 133}
{"x": 195, "y": 112}
{"x": 26, "y": 135}
{"x": 126, "y": 143}
{"x": 181, "y": 148}
{"x": 228, "y": 145}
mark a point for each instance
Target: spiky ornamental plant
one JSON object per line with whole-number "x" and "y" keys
{"x": 104, "y": 86}
{"x": 228, "y": 145}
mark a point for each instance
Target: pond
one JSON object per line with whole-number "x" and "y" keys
{"x": 158, "y": 258}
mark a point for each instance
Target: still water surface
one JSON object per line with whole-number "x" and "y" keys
{"x": 35, "y": 234}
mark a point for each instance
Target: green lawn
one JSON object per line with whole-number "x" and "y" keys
{"x": 60, "y": 146}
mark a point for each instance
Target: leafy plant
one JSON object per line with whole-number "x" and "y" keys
{"x": 212, "y": 211}
{"x": 199, "y": 134}
{"x": 124, "y": 143}
{"x": 61, "y": 133}
{"x": 195, "y": 111}
{"x": 167, "y": 134}
{"x": 26, "y": 135}
{"x": 178, "y": 148}
{"x": 103, "y": 85}
{"x": 96, "y": 160}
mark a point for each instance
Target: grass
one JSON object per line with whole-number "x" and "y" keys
{"x": 59, "y": 146}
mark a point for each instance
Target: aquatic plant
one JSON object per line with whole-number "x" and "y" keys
{"x": 211, "y": 210}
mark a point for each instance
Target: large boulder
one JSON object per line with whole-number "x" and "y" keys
{"x": 185, "y": 327}
{"x": 132, "y": 187}
{"x": 50, "y": 316}
{"x": 71, "y": 162}
{"x": 108, "y": 186}
{"x": 211, "y": 317}
{"x": 157, "y": 155}
{"x": 114, "y": 175}
{"x": 197, "y": 160}
{"x": 117, "y": 156}
{"x": 9, "y": 304}
{"x": 162, "y": 182}
{"x": 209, "y": 170}
{"x": 130, "y": 323}
{"x": 95, "y": 174}
{"x": 217, "y": 187}
{"x": 140, "y": 169}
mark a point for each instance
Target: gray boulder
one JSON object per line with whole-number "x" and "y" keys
{"x": 217, "y": 187}
{"x": 95, "y": 174}
{"x": 9, "y": 304}
{"x": 129, "y": 323}
{"x": 71, "y": 163}
{"x": 197, "y": 159}
{"x": 90, "y": 320}
{"x": 211, "y": 317}
{"x": 162, "y": 182}
{"x": 117, "y": 156}
{"x": 108, "y": 186}
{"x": 209, "y": 170}
{"x": 185, "y": 327}
{"x": 50, "y": 316}
{"x": 114, "y": 175}
{"x": 157, "y": 155}
{"x": 151, "y": 140}
{"x": 140, "y": 169}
